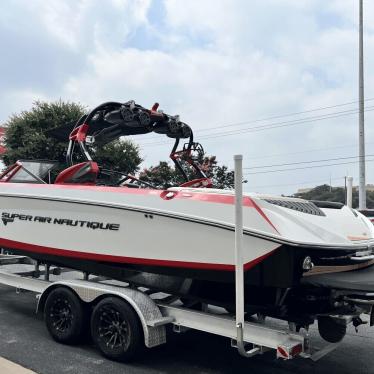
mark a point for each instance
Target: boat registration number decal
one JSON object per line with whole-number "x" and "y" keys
{"x": 11, "y": 217}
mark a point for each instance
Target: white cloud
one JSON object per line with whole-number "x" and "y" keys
{"x": 15, "y": 101}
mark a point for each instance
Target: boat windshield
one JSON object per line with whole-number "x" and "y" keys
{"x": 28, "y": 171}
{"x": 367, "y": 212}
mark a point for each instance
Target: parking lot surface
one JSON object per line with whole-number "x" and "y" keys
{"x": 25, "y": 341}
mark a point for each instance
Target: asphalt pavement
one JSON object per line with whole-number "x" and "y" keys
{"x": 24, "y": 340}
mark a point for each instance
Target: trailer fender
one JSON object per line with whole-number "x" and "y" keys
{"x": 147, "y": 310}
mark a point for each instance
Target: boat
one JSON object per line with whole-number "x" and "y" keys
{"x": 181, "y": 239}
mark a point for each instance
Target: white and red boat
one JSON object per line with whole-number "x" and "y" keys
{"x": 180, "y": 231}
{"x": 115, "y": 225}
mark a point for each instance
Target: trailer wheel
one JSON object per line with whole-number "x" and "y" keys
{"x": 330, "y": 329}
{"x": 64, "y": 316}
{"x": 116, "y": 329}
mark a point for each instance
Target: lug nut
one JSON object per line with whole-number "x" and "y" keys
{"x": 307, "y": 263}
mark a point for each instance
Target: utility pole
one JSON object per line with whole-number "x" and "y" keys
{"x": 362, "y": 182}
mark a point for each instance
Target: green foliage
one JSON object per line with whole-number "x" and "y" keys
{"x": 161, "y": 176}
{"x": 222, "y": 177}
{"x": 119, "y": 155}
{"x": 336, "y": 194}
{"x": 26, "y": 138}
{"x": 164, "y": 175}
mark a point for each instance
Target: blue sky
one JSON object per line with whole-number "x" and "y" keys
{"x": 213, "y": 63}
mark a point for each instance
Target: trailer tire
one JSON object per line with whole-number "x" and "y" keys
{"x": 64, "y": 316}
{"x": 331, "y": 330}
{"x": 116, "y": 329}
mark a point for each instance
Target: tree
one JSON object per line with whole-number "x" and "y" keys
{"x": 336, "y": 194}
{"x": 164, "y": 175}
{"x": 119, "y": 155}
{"x": 161, "y": 176}
{"x": 26, "y": 137}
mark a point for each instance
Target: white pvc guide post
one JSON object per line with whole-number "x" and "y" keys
{"x": 239, "y": 272}
{"x": 361, "y": 98}
{"x": 349, "y": 191}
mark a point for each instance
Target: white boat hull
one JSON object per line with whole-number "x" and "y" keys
{"x": 182, "y": 232}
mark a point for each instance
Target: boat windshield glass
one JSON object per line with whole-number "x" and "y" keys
{"x": 367, "y": 212}
{"x": 30, "y": 171}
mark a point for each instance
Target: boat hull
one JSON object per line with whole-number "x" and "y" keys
{"x": 111, "y": 231}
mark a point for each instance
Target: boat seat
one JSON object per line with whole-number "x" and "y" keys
{"x": 83, "y": 173}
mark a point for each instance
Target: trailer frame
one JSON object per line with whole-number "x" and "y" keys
{"x": 155, "y": 314}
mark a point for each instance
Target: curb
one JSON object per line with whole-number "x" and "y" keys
{"x": 10, "y": 367}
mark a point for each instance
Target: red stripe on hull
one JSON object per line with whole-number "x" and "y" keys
{"x": 263, "y": 215}
{"x": 32, "y": 248}
{"x": 187, "y": 195}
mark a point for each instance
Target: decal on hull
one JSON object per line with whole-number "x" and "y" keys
{"x": 94, "y": 225}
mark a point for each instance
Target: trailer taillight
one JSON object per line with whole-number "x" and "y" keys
{"x": 287, "y": 353}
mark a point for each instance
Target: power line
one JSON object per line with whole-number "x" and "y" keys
{"x": 274, "y": 125}
{"x": 301, "y": 152}
{"x": 304, "y": 162}
{"x": 281, "y": 116}
{"x": 303, "y": 168}
{"x": 290, "y": 123}
{"x": 295, "y": 184}
{"x": 277, "y": 116}
{"x": 297, "y": 152}
{"x": 287, "y": 123}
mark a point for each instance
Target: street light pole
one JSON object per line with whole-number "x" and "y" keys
{"x": 362, "y": 182}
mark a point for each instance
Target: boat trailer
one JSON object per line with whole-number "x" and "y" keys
{"x": 156, "y": 310}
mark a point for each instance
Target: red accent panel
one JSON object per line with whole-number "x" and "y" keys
{"x": 168, "y": 195}
{"x": 155, "y": 107}
{"x": 180, "y": 154}
{"x": 197, "y": 183}
{"x": 79, "y": 134}
{"x": 119, "y": 259}
{"x": 214, "y": 198}
{"x": 263, "y": 215}
{"x": 199, "y": 196}
{"x": 253, "y": 263}
{"x": 296, "y": 350}
{"x": 282, "y": 352}
{"x": 67, "y": 174}
{"x": 9, "y": 173}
